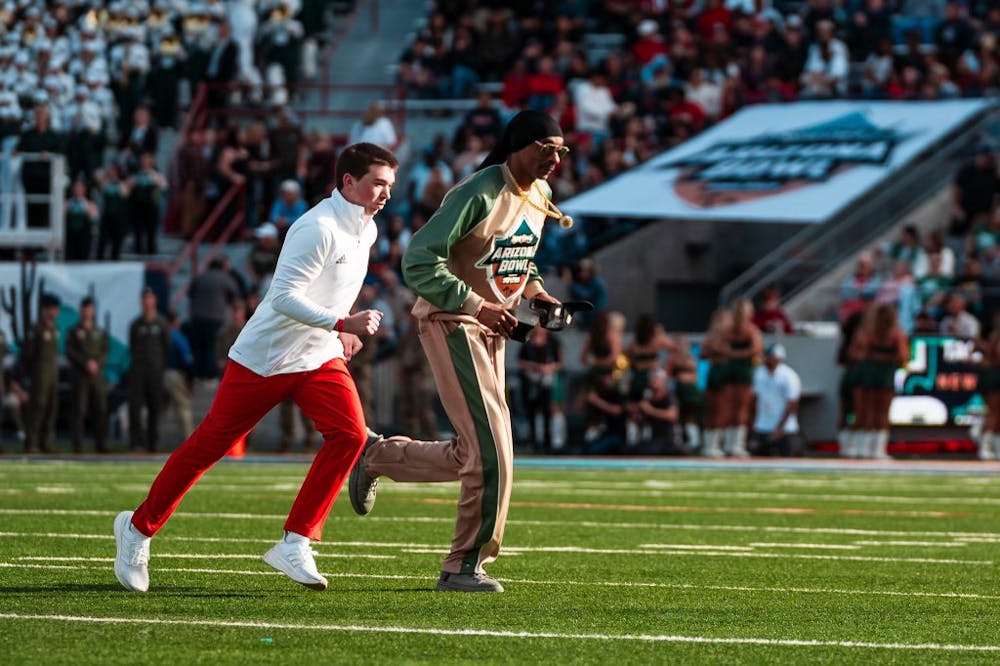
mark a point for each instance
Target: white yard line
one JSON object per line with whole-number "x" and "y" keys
{"x": 807, "y": 546}
{"x": 566, "y": 583}
{"x": 491, "y": 633}
{"x": 986, "y": 536}
{"x": 198, "y": 556}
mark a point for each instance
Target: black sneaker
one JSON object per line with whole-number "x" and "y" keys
{"x": 477, "y": 582}
{"x": 361, "y": 487}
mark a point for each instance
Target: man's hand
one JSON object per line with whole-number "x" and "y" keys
{"x": 93, "y": 368}
{"x": 363, "y": 323}
{"x": 497, "y": 318}
{"x": 543, "y": 296}
{"x": 352, "y": 345}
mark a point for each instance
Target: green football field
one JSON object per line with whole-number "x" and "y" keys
{"x": 602, "y": 566}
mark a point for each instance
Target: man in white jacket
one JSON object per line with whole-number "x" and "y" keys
{"x": 296, "y": 345}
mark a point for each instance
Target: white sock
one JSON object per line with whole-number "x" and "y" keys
{"x": 693, "y": 436}
{"x": 871, "y": 444}
{"x": 843, "y": 442}
{"x": 728, "y": 440}
{"x": 710, "y": 442}
{"x": 857, "y": 443}
{"x": 740, "y": 441}
{"x": 293, "y": 538}
{"x": 987, "y": 441}
{"x": 881, "y": 449}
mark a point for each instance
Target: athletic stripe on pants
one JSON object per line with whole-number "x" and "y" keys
{"x": 468, "y": 365}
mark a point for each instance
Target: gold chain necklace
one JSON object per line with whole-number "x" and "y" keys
{"x": 550, "y": 210}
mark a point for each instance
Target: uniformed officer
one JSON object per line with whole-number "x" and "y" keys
{"x": 87, "y": 353}
{"x": 40, "y": 359}
{"x": 149, "y": 345}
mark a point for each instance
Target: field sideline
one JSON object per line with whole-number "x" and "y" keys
{"x": 775, "y": 561}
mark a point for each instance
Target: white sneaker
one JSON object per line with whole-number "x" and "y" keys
{"x": 295, "y": 560}
{"x": 132, "y": 558}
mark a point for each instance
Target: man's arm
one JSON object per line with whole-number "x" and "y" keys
{"x": 74, "y": 351}
{"x": 302, "y": 260}
{"x": 425, "y": 267}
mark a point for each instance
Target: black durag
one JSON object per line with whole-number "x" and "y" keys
{"x": 523, "y": 129}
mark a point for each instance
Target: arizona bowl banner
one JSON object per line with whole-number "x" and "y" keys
{"x": 800, "y": 162}
{"x": 115, "y": 286}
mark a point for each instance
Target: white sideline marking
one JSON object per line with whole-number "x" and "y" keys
{"x": 490, "y": 633}
{"x": 922, "y": 544}
{"x": 109, "y": 537}
{"x": 55, "y": 490}
{"x": 548, "y": 523}
{"x": 814, "y": 546}
{"x": 568, "y": 583}
{"x": 656, "y": 548}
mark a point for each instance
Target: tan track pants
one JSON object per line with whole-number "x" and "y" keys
{"x": 468, "y": 365}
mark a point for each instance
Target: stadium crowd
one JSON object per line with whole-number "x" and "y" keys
{"x": 680, "y": 67}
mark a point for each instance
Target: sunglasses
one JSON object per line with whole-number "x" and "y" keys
{"x": 550, "y": 149}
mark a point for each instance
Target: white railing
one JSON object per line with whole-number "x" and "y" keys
{"x": 15, "y": 229}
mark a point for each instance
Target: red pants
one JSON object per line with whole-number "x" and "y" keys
{"x": 326, "y": 395}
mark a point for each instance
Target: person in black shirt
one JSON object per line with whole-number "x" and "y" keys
{"x": 606, "y": 415}
{"x": 658, "y": 414}
{"x": 35, "y": 174}
{"x": 484, "y": 120}
{"x": 540, "y": 359}
{"x": 973, "y": 192}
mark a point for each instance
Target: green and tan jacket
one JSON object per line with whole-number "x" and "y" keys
{"x": 478, "y": 247}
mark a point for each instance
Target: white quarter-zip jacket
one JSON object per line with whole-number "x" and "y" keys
{"x": 320, "y": 271}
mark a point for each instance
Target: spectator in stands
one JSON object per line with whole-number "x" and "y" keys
{"x": 35, "y": 174}
{"x": 769, "y": 317}
{"x": 280, "y": 38}
{"x": 826, "y": 70}
{"x": 587, "y": 285}
{"x": 374, "y": 127}
{"x": 178, "y": 378}
{"x": 934, "y": 284}
{"x": 211, "y": 294}
{"x": 484, "y": 120}
{"x": 81, "y": 216}
{"x": 263, "y": 257}
{"x": 862, "y": 282}
{"x": 286, "y": 145}
{"x": 925, "y": 323}
{"x": 143, "y": 138}
{"x": 900, "y": 290}
{"x": 145, "y": 193}
{"x": 221, "y": 68}
{"x": 970, "y": 283}
{"x": 870, "y": 26}
{"x": 114, "y": 195}
{"x": 878, "y": 70}
{"x": 907, "y": 247}
{"x": 777, "y": 388}
{"x": 540, "y": 361}
{"x": 958, "y": 321}
{"x": 984, "y": 238}
{"x": 288, "y": 207}
{"x": 974, "y": 191}
{"x": 319, "y": 168}
{"x": 935, "y": 242}
{"x": 953, "y": 35}
{"x": 594, "y": 106}
{"x": 706, "y": 94}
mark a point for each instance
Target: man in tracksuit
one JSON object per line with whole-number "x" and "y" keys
{"x": 470, "y": 266}
{"x": 295, "y": 346}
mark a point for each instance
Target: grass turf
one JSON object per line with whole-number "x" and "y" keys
{"x": 627, "y": 566}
